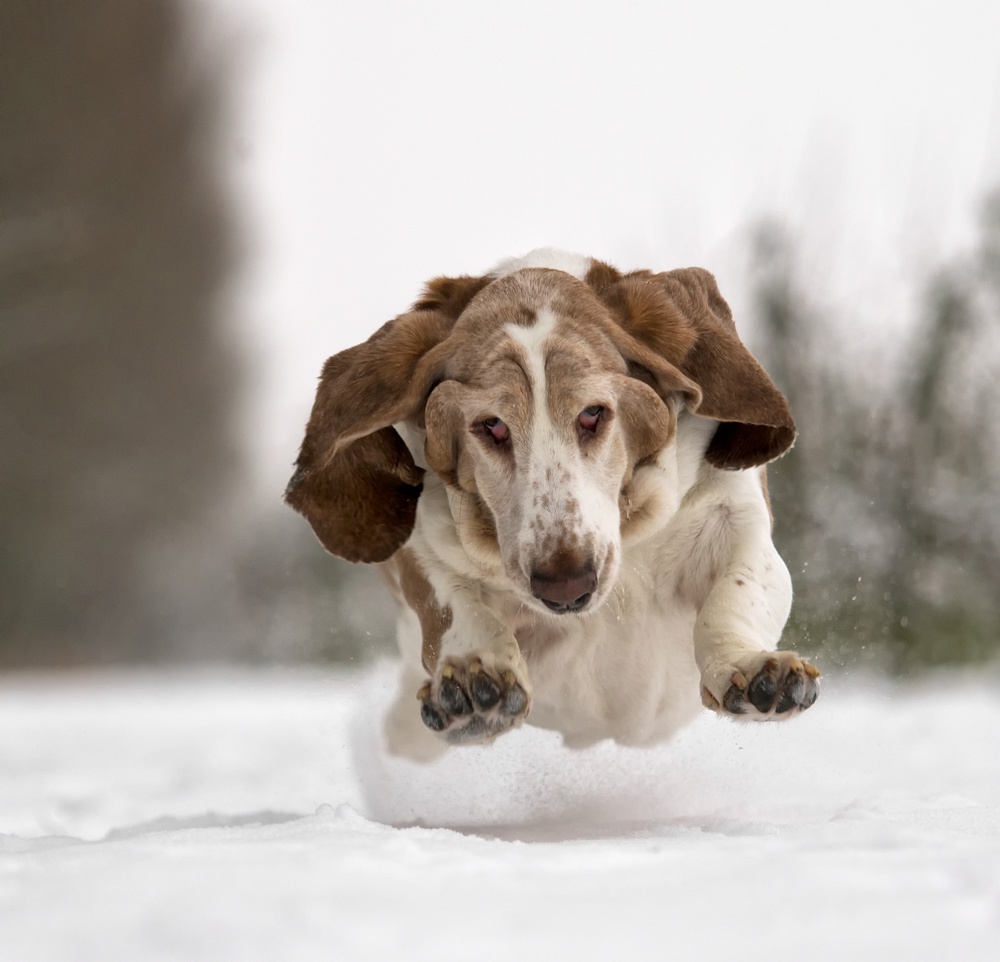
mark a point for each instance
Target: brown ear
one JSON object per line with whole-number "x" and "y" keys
{"x": 681, "y": 318}
{"x": 355, "y": 480}
{"x": 363, "y": 504}
{"x": 757, "y": 425}
{"x": 450, "y": 295}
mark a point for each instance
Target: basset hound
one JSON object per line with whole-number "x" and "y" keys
{"x": 559, "y": 469}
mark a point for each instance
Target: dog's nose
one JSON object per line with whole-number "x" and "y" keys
{"x": 564, "y": 593}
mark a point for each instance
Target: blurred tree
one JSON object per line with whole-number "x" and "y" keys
{"x": 116, "y": 385}
{"x": 306, "y": 605}
{"x": 885, "y": 509}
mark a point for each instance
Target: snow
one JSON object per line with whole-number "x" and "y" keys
{"x": 252, "y": 815}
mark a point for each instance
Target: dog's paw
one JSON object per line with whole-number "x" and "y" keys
{"x": 472, "y": 700}
{"x": 764, "y": 685}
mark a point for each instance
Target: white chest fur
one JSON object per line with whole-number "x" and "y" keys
{"x": 627, "y": 672}
{"x": 630, "y": 670}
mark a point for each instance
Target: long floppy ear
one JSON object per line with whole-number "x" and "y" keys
{"x": 363, "y": 503}
{"x": 355, "y": 480}
{"x": 757, "y": 425}
{"x": 681, "y": 318}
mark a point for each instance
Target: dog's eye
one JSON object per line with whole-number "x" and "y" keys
{"x": 591, "y": 417}
{"x": 496, "y": 429}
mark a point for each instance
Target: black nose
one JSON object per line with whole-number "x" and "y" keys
{"x": 578, "y": 604}
{"x": 564, "y": 594}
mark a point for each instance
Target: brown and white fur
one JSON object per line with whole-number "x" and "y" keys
{"x": 559, "y": 468}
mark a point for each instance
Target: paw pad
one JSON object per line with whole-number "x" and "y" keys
{"x": 781, "y": 685}
{"x": 469, "y": 703}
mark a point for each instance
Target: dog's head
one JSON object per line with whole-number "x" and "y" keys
{"x": 543, "y": 396}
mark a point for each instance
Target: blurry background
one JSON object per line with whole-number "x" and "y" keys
{"x": 200, "y": 201}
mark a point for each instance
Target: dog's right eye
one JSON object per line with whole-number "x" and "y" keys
{"x": 496, "y": 429}
{"x": 591, "y": 417}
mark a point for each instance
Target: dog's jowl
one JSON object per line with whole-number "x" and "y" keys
{"x": 560, "y": 470}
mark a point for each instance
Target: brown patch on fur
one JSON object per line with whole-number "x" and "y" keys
{"x": 450, "y": 295}
{"x": 647, "y": 423}
{"x": 355, "y": 481}
{"x": 568, "y": 364}
{"x": 448, "y": 455}
{"x": 363, "y": 504}
{"x": 375, "y": 384}
{"x": 679, "y": 324}
{"x": 435, "y": 619}
{"x": 484, "y": 385}
{"x": 644, "y": 309}
{"x": 446, "y": 428}
{"x": 601, "y": 278}
{"x": 757, "y": 424}
{"x": 564, "y": 561}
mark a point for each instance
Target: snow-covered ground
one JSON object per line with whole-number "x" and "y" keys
{"x": 253, "y": 816}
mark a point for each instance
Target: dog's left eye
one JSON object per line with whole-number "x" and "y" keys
{"x": 591, "y": 417}
{"x": 496, "y": 429}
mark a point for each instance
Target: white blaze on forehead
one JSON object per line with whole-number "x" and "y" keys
{"x": 547, "y": 447}
{"x": 563, "y": 500}
{"x": 576, "y": 264}
{"x": 533, "y": 339}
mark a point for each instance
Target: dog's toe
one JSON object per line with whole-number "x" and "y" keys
{"x": 734, "y": 700}
{"x": 763, "y": 689}
{"x": 515, "y": 699}
{"x": 485, "y": 689}
{"x": 433, "y": 717}
{"x": 451, "y": 696}
{"x": 792, "y": 691}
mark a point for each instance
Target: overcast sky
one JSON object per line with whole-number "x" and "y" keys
{"x": 387, "y": 142}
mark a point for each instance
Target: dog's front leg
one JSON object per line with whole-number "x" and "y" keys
{"x": 479, "y": 686}
{"x": 740, "y": 622}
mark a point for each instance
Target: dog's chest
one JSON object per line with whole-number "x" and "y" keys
{"x": 627, "y": 672}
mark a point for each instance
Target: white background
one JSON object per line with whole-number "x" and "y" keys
{"x": 382, "y": 143}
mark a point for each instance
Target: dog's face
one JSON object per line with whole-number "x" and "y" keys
{"x": 538, "y": 430}
{"x": 548, "y": 398}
